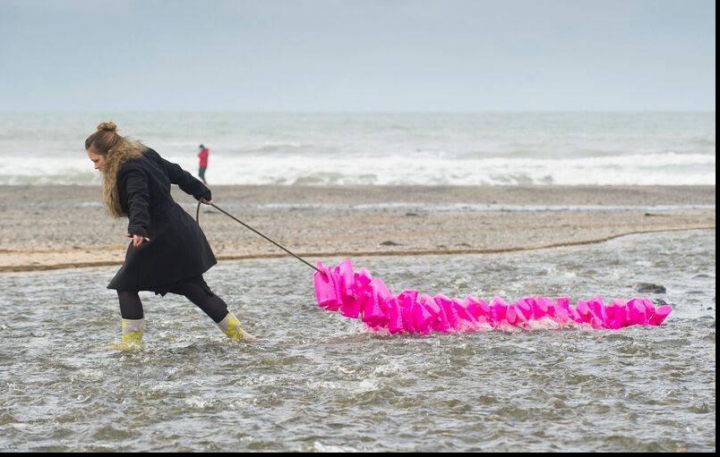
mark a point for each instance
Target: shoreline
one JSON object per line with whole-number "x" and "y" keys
{"x": 590, "y": 194}
{"x": 307, "y": 255}
{"x": 40, "y": 228}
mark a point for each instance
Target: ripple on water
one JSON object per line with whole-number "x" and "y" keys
{"x": 318, "y": 382}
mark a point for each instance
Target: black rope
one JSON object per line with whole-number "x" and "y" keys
{"x": 197, "y": 218}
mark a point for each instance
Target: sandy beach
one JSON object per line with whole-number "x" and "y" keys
{"x": 51, "y": 227}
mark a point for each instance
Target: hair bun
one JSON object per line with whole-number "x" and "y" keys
{"x": 107, "y": 127}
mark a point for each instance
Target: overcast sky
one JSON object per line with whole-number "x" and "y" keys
{"x": 357, "y": 55}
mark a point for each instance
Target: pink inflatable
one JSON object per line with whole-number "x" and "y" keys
{"x": 360, "y": 296}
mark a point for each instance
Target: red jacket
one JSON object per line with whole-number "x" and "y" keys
{"x": 204, "y": 157}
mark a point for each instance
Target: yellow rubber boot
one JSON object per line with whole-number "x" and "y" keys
{"x": 132, "y": 333}
{"x": 230, "y": 326}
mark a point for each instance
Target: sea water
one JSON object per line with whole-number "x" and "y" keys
{"x": 380, "y": 149}
{"x": 318, "y": 382}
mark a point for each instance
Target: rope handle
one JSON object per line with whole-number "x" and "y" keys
{"x": 197, "y": 218}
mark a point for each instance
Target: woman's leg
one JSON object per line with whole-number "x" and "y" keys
{"x": 133, "y": 322}
{"x": 130, "y": 304}
{"x": 198, "y": 292}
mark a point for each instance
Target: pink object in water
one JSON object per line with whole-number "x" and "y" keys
{"x": 529, "y": 308}
{"x": 357, "y": 295}
{"x": 424, "y": 312}
{"x": 373, "y": 314}
{"x": 326, "y": 291}
{"x": 449, "y": 317}
{"x": 649, "y": 307}
{"x": 466, "y": 321}
{"x": 351, "y": 307}
{"x": 406, "y": 300}
{"x": 515, "y": 316}
{"x": 637, "y": 315}
{"x": 540, "y": 307}
{"x": 395, "y": 318}
{"x": 598, "y": 309}
{"x": 583, "y": 312}
{"x": 561, "y": 311}
{"x": 617, "y": 314}
{"x": 479, "y": 310}
{"x": 498, "y": 312}
{"x": 346, "y": 275}
{"x": 661, "y": 313}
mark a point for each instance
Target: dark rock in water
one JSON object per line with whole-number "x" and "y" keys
{"x": 390, "y": 243}
{"x": 647, "y": 287}
{"x": 411, "y": 214}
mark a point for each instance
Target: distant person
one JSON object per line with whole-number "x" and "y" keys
{"x": 203, "y": 158}
{"x": 168, "y": 252}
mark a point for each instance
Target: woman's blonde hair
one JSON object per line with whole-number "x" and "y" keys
{"x": 117, "y": 150}
{"x": 103, "y": 140}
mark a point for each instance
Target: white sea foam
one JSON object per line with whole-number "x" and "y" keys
{"x": 653, "y": 169}
{"x": 375, "y": 149}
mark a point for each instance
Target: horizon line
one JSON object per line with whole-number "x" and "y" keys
{"x": 305, "y": 112}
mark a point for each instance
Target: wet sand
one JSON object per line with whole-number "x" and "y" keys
{"x": 51, "y": 227}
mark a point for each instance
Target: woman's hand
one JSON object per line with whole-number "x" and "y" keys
{"x": 138, "y": 240}
{"x": 206, "y": 202}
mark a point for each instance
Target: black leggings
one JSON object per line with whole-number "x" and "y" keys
{"x": 197, "y": 291}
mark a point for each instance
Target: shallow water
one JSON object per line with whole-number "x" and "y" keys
{"x": 318, "y": 382}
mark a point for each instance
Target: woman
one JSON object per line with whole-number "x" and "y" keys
{"x": 168, "y": 252}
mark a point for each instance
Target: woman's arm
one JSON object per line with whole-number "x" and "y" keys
{"x": 134, "y": 184}
{"x": 187, "y": 182}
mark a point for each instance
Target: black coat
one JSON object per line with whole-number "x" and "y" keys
{"x": 177, "y": 250}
